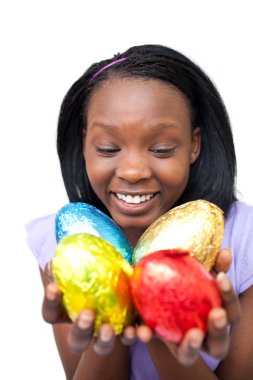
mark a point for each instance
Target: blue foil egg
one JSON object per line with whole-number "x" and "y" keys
{"x": 80, "y": 217}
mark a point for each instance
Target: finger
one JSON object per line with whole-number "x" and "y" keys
{"x": 230, "y": 300}
{"x": 48, "y": 272}
{"x": 129, "y": 336}
{"x": 144, "y": 333}
{"x": 82, "y": 331}
{"x": 52, "y": 308}
{"x": 188, "y": 350}
{"x": 217, "y": 341}
{"x": 223, "y": 261}
{"x": 105, "y": 341}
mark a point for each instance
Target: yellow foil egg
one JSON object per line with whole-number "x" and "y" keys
{"x": 92, "y": 274}
{"x": 197, "y": 226}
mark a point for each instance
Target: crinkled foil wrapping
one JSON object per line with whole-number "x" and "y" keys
{"x": 84, "y": 218}
{"x": 197, "y": 226}
{"x": 93, "y": 275}
{"x": 173, "y": 293}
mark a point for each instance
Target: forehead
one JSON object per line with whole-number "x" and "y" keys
{"x": 126, "y": 98}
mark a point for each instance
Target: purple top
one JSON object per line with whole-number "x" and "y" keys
{"x": 237, "y": 236}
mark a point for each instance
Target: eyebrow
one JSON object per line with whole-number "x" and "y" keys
{"x": 102, "y": 125}
{"x": 160, "y": 126}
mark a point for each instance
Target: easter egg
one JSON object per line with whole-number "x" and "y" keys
{"x": 84, "y": 218}
{"x": 92, "y": 274}
{"x": 173, "y": 292}
{"x": 196, "y": 226}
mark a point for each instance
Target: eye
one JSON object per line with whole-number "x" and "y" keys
{"x": 107, "y": 150}
{"x": 163, "y": 152}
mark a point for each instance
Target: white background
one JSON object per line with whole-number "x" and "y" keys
{"x": 45, "y": 46}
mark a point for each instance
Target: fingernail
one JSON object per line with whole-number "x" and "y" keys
{"x": 84, "y": 321}
{"x": 224, "y": 283}
{"x": 105, "y": 336}
{"x": 51, "y": 293}
{"x": 220, "y": 323}
{"x": 195, "y": 344}
{"x": 219, "y": 318}
{"x": 130, "y": 335}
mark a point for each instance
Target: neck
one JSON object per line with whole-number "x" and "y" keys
{"x": 133, "y": 235}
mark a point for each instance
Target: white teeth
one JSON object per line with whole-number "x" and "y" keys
{"x": 128, "y": 199}
{"x": 135, "y": 198}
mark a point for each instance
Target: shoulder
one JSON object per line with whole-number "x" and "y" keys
{"x": 238, "y": 210}
{"x": 239, "y": 224}
{"x": 238, "y": 236}
{"x": 41, "y": 238}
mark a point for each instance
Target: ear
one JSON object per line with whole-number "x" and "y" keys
{"x": 196, "y": 145}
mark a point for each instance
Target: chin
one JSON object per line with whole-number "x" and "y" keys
{"x": 138, "y": 223}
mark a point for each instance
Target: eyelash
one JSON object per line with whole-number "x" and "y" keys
{"x": 107, "y": 151}
{"x": 158, "y": 152}
{"x": 163, "y": 152}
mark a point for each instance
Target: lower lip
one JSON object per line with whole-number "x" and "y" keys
{"x": 134, "y": 208}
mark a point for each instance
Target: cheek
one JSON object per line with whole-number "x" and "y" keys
{"x": 98, "y": 172}
{"x": 95, "y": 172}
{"x": 175, "y": 173}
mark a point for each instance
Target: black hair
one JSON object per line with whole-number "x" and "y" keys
{"x": 212, "y": 176}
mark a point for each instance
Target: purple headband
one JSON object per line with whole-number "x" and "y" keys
{"x": 106, "y": 67}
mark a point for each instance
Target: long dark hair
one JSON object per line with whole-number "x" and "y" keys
{"x": 212, "y": 176}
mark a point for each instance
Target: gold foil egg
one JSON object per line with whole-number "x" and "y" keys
{"x": 92, "y": 274}
{"x": 197, "y": 226}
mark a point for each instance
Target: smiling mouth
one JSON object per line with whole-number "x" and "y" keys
{"x": 134, "y": 199}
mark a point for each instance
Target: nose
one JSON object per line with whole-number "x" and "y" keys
{"x": 133, "y": 168}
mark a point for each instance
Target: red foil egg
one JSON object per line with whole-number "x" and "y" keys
{"x": 173, "y": 293}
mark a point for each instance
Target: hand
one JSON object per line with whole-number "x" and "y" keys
{"x": 81, "y": 333}
{"x": 216, "y": 340}
{"x": 82, "y": 330}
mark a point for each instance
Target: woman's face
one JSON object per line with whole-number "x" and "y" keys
{"x": 138, "y": 149}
